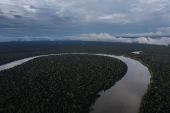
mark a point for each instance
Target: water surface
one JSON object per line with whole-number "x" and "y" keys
{"x": 125, "y": 96}
{"x": 136, "y": 52}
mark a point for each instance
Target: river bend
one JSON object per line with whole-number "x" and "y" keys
{"x": 125, "y": 96}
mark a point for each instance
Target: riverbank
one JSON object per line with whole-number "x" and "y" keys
{"x": 125, "y": 96}
{"x": 156, "y": 99}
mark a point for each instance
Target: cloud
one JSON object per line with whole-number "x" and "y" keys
{"x": 158, "y": 33}
{"x": 77, "y": 16}
{"x": 148, "y": 1}
{"x": 164, "y": 29}
{"x": 105, "y": 37}
{"x": 17, "y": 16}
{"x": 11, "y": 39}
{"x": 30, "y": 9}
{"x": 102, "y": 37}
{"x": 154, "y": 41}
{"x": 1, "y": 12}
{"x": 115, "y": 18}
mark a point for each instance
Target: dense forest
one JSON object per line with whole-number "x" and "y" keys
{"x": 11, "y": 51}
{"x": 155, "y": 57}
{"x": 61, "y": 83}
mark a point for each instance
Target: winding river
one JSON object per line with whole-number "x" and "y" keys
{"x": 124, "y": 96}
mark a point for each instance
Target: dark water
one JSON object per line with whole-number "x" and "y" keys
{"x": 124, "y": 96}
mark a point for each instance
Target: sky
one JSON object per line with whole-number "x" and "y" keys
{"x": 74, "y": 19}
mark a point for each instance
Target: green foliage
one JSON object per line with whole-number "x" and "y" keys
{"x": 12, "y": 51}
{"x": 61, "y": 83}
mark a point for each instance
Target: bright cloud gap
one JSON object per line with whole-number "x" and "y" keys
{"x": 102, "y": 37}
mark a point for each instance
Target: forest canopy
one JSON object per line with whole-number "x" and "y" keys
{"x": 61, "y": 83}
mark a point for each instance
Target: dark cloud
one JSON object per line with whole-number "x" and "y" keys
{"x": 17, "y": 16}
{"x": 2, "y": 17}
{"x": 74, "y": 17}
{"x": 33, "y": 7}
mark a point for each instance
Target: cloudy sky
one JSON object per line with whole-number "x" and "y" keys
{"x": 70, "y": 18}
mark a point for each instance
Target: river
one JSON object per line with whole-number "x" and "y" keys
{"x": 125, "y": 96}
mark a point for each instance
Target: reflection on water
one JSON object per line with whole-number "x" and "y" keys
{"x": 15, "y": 63}
{"x": 136, "y": 52}
{"x": 124, "y": 96}
{"x": 18, "y": 62}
